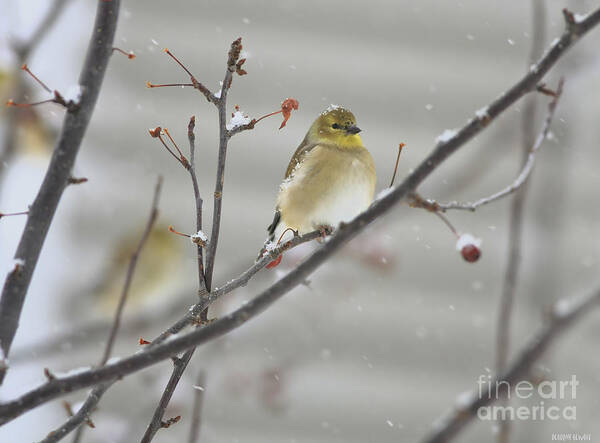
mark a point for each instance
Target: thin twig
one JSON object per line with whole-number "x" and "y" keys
{"x": 182, "y": 159}
{"x": 130, "y": 272}
{"x": 25, "y": 49}
{"x": 195, "y": 83}
{"x": 198, "y": 200}
{"x": 565, "y": 314}
{"x": 193, "y": 315}
{"x": 503, "y": 325}
{"x": 523, "y": 174}
{"x": 180, "y": 364}
{"x": 153, "y": 354}
{"x": 78, "y": 335}
{"x": 447, "y": 223}
{"x": 13, "y": 214}
{"x": 22, "y": 51}
{"x": 167, "y": 85}
{"x": 204, "y": 282}
{"x": 79, "y": 431}
{"x": 25, "y": 68}
{"x": 204, "y": 275}
{"x": 400, "y": 146}
{"x": 59, "y": 170}
{"x": 157, "y": 133}
{"x": 81, "y": 335}
{"x": 197, "y": 408}
{"x": 221, "y": 104}
{"x": 94, "y": 397}
{"x": 80, "y": 416}
{"x": 130, "y": 55}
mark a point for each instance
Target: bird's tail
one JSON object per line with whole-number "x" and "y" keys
{"x": 271, "y": 229}
{"x": 273, "y": 226}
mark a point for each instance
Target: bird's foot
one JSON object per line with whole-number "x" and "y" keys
{"x": 325, "y": 230}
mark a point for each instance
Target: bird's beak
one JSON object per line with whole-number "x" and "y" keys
{"x": 353, "y": 129}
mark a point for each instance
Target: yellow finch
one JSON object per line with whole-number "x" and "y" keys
{"x": 330, "y": 178}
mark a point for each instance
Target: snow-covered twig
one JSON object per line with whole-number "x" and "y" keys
{"x": 523, "y": 174}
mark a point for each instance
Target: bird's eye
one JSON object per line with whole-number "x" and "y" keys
{"x": 335, "y": 126}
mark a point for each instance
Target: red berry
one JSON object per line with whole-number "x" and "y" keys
{"x": 470, "y": 253}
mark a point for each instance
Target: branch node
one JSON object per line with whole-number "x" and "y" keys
{"x": 234, "y": 55}
{"x": 76, "y": 180}
{"x": 191, "y": 126}
{"x": 569, "y": 19}
{"x": 49, "y": 375}
{"x": 541, "y": 88}
{"x": 169, "y": 422}
{"x": 416, "y": 201}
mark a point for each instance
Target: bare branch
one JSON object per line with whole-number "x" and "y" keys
{"x": 152, "y": 354}
{"x": 94, "y": 397}
{"x": 523, "y": 174}
{"x": 197, "y": 199}
{"x": 80, "y": 416}
{"x": 197, "y": 409}
{"x": 59, "y": 170}
{"x": 205, "y": 277}
{"x": 195, "y": 83}
{"x": 81, "y": 334}
{"x": 131, "y": 271}
{"x": 22, "y": 51}
{"x": 180, "y": 364}
{"x": 517, "y": 207}
{"x": 234, "y": 54}
{"x": 193, "y": 315}
{"x": 564, "y": 314}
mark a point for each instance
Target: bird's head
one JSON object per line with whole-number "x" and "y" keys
{"x": 335, "y": 125}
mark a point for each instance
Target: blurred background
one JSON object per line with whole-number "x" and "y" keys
{"x": 388, "y": 334}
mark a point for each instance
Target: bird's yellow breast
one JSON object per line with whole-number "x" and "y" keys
{"x": 331, "y": 184}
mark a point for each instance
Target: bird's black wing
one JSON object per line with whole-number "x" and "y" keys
{"x": 297, "y": 158}
{"x": 304, "y": 148}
